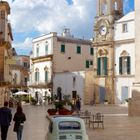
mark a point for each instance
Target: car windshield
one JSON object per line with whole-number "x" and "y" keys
{"x": 69, "y": 125}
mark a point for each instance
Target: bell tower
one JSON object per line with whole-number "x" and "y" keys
{"x": 107, "y": 12}
{"x": 110, "y": 7}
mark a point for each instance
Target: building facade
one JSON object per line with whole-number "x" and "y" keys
{"x": 5, "y": 51}
{"x": 55, "y": 57}
{"x": 20, "y": 73}
{"x": 124, "y": 43}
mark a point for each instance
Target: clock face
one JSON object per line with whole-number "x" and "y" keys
{"x": 102, "y": 30}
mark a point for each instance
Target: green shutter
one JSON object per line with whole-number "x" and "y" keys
{"x": 62, "y": 48}
{"x": 37, "y": 52}
{"x": 46, "y": 76}
{"x": 120, "y": 65}
{"x": 105, "y": 65}
{"x": 87, "y": 64}
{"x": 91, "y": 51}
{"x": 78, "y": 49}
{"x": 98, "y": 66}
{"x": 128, "y": 65}
{"x": 46, "y": 49}
{"x": 36, "y": 76}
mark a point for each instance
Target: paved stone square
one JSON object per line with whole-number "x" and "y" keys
{"x": 118, "y": 126}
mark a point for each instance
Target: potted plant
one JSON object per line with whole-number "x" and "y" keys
{"x": 52, "y": 111}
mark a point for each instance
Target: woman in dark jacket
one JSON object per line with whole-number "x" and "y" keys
{"x": 19, "y": 119}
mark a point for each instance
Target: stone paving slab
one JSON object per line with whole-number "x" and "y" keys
{"x": 118, "y": 126}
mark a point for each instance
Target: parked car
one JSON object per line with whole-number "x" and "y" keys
{"x": 66, "y": 128}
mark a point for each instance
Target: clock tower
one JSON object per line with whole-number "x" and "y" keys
{"x": 107, "y": 12}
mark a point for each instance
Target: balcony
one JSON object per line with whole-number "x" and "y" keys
{"x": 41, "y": 84}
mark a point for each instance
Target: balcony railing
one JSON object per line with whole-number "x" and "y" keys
{"x": 40, "y": 84}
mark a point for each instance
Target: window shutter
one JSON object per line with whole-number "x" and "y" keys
{"x": 36, "y": 76}
{"x": 87, "y": 64}
{"x": 91, "y": 51}
{"x": 105, "y": 65}
{"x": 98, "y": 66}
{"x": 120, "y": 65}
{"x": 78, "y": 49}
{"x": 128, "y": 65}
{"x": 62, "y": 48}
{"x": 46, "y": 76}
{"x": 37, "y": 51}
{"x": 46, "y": 49}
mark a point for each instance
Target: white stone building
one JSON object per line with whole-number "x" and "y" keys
{"x": 124, "y": 39}
{"x": 55, "y": 58}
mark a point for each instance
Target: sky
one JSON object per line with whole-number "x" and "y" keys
{"x": 31, "y": 18}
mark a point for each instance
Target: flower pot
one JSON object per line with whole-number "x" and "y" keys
{"x": 52, "y": 111}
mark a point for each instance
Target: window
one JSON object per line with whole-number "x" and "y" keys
{"x": 15, "y": 78}
{"x": 102, "y": 66}
{"x": 115, "y": 5}
{"x": 37, "y": 52}
{"x": 46, "y": 76}
{"x": 46, "y": 49}
{"x": 124, "y": 65}
{"x": 78, "y": 50}
{"x": 63, "y": 48}
{"x": 25, "y": 64}
{"x": 104, "y": 8}
{"x": 91, "y": 62}
{"x": 74, "y": 94}
{"x": 124, "y": 28}
{"x": 69, "y": 125}
{"x": 36, "y": 76}
{"x": 91, "y": 51}
{"x": 87, "y": 64}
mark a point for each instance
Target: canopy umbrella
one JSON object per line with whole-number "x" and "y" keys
{"x": 21, "y": 93}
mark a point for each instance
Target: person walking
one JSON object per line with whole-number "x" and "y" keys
{"x": 78, "y": 104}
{"x": 5, "y": 119}
{"x": 19, "y": 119}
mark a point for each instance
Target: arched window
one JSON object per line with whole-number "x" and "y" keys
{"x": 15, "y": 78}
{"x": 46, "y": 74}
{"x": 104, "y": 8}
{"x": 37, "y": 50}
{"x": 37, "y": 75}
{"x": 115, "y": 6}
{"x": 124, "y": 63}
{"x": 102, "y": 63}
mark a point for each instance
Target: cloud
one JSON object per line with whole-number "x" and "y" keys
{"x": 52, "y": 15}
{"x": 44, "y": 16}
{"x": 23, "y": 47}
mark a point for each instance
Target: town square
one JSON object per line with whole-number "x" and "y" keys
{"x": 69, "y": 70}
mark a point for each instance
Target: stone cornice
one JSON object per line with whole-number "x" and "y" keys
{"x": 124, "y": 41}
{"x": 42, "y": 58}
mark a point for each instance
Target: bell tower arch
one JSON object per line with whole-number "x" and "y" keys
{"x": 110, "y": 7}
